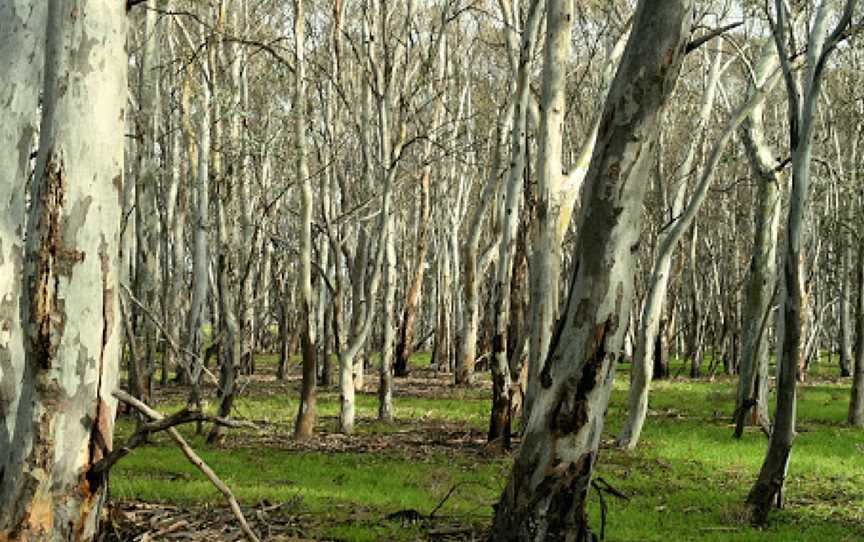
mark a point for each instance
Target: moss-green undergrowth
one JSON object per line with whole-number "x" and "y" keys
{"x": 687, "y": 479}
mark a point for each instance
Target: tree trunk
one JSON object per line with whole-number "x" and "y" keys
{"x": 22, "y": 51}
{"x": 306, "y": 415}
{"x": 385, "y": 384}
{"x": 146, "y": 214}
{"x": 856, "y": 401}
{"x": 752, "y": 396}
{"x": 65, "y": 416}
{"x": 500, "y": 416}
{"x": 802, "y": 107}
{"x": 546, "y": 495}
{"x": 642, "y": 368}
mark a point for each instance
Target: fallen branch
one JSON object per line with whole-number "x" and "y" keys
{"x": 141, "y": 434}
{"x": 193, "y": 458}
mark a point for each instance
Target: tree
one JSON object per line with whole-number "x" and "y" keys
{"x": 546, "y": 493}
{"x": 22, "y": 45}
{"x": 762, "y": 275}
{"x": 803, "y": 98}
{"x": 71, "y": 277}
{"x": 306, "y": 415}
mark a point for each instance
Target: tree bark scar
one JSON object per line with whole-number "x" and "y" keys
{"x": 101, "y": 433}
{"x": 569, "y": 419}
{"x": 545, "y": 376}
{"x": 44, "y": 279}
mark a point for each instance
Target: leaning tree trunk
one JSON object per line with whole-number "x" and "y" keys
{"x": 753, "y": 380}
{"x": 22, "y": 42}
{"x": 65, "y": 415}
{"x": 802, "y": 107}
{"x": 546, "y": 495}
{"x": 638, "y": 398}
{"x": 652, "y": 310}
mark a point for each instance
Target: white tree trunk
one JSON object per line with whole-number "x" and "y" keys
{"x": 22, "y": 42}
{"x": 70, "y": 314}
{"x": 649, "y": 321}
{"x": 499, "y": 419}
{"x": 545, "y": 497}
{"x": 753, "y": 381}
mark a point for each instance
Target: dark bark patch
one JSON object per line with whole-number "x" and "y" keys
{"x": 570, "y": 414}
{"x": 46, "y": 314}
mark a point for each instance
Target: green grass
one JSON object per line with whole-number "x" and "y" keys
{"x": 686, "y": 480}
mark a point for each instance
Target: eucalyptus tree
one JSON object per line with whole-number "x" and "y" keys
{"x": 802, "y": 95}
{"x": 22, "y": 51}
{"x": 752, "y": 398}
{"x": 499, "y": 420}
{"x": 64, "y": 417}
{"x": 306, "y": 415}
{"x": 546, "y": 492}
{"x": 558, "y": 187}
{"x": 147, "y": 120}
{"x": 640, "y": 379}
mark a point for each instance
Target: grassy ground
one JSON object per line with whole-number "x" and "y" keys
{"x": 686, "y": 480}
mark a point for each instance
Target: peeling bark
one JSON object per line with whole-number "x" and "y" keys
{"x": 546, "y": 494}
{"x": 71, "y": 277}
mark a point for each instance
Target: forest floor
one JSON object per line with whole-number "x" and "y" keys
{"x": 686, "y": 480}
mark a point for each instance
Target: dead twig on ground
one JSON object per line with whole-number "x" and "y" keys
{"x": 193, "y": 458}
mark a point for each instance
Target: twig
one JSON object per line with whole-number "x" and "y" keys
{"x": 698, "y": 42}
{"x": 195, "y": 460}
{"x": 180, "y": 352}
{"x": 140, "y": 435}
{"x": 447, "y": 496}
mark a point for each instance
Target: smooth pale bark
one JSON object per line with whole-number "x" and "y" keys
{"x": 546, "y": 494}
{"x": 473, "y": 268}
{"x": 390, "y": 152}
{"x": 70, "y": 320}
{"x": 803, "y": 99}
{"x": 174, "y": 243}
{"x": 752, "y": 398}
{"x": 557, "y": 195}
{"x": 385, "y": 384}
{"x": 500, "y": 415}
{"x": 642, "y": 372}
{"x": 546, "y": 257}
{"x": 642, "y": 367}
{"x": 306, "y": 416}
{"x": 22, "y": 42}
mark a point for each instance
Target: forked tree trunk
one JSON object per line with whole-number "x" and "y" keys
{"x": 64, "y": 419}
{"x": 546, "y": 494}
{"x": 752, "y": 397}
{"x": 803, "y": 99}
